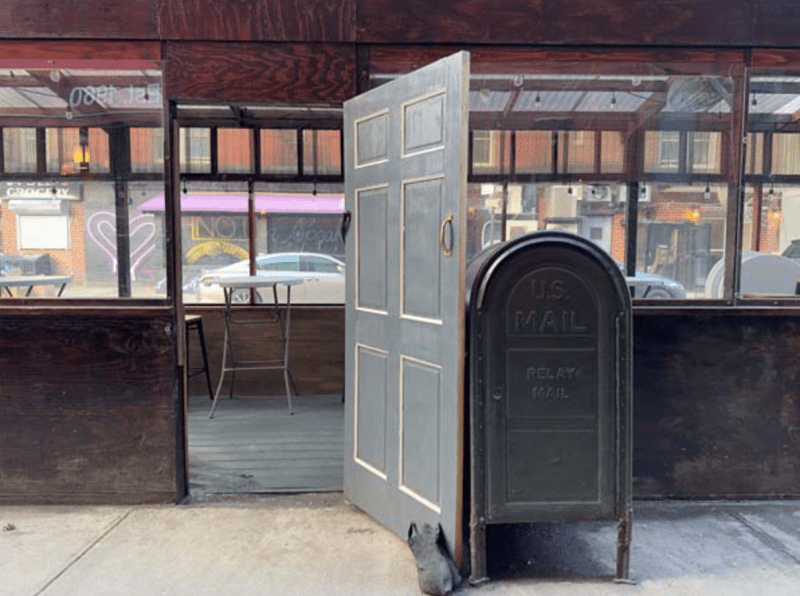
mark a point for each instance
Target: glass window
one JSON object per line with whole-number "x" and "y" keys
{"x": 322, "y": 152}
{"x": 576, "y": 151}
{"x": 296, "y": 231}
{"x": 534, "y": 151}
{"x": 235, "y": 150}
{"x": 661, "y": 151}
{"x": 770, "y": 262}
{"x": 75, "y": 150}
{"x": 491, "y": 151}
{"x": 681, "y": 239}
{"x": 19, "y": 150}
{"x": 595, "y": 211}
{"x": 147, "y": 150}
{"x": 195, "y": 150}
{"x": 279, "y": 151}
{"x": 62, "y": 201}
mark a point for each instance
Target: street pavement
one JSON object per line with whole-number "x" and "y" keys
{"x": 319, "y": 544}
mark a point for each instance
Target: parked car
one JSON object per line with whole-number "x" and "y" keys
{"x": 652, "y": 286}
{"x": 322, "y": 275}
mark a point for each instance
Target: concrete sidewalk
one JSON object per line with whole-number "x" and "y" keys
{"x": 320, "y": 545}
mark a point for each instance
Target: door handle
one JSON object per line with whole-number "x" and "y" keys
{"x": 444, "y": 236}
{"x": 345, "y": 224}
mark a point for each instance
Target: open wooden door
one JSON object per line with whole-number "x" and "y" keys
{"x": 405, "y": 179}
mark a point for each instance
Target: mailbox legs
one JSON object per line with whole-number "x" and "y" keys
{"x": 477, "y": 571}
{"x": 624, "y": 527}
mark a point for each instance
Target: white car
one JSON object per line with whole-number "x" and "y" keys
{"x": 322, "y": 275}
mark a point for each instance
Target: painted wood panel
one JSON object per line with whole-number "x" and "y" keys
{"x": 263, "y": 73}
{"x": 92, "y": 19}
{"x": 256, "y": 20}
{"x": 88, "y": 409}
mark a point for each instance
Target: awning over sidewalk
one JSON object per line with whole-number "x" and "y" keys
{"x": 266, "y": 203}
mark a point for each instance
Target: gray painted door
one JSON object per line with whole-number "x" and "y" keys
{"x": 405, "y": 179}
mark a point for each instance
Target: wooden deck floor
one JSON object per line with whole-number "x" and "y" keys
{"x": 253, "y": 445}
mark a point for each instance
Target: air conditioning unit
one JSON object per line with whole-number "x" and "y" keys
{"x": 597, "y": 193}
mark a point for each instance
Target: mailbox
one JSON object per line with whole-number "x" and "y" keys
{"x": 550, "y": 350}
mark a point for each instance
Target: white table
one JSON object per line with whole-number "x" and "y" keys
{"x": 281, "y": 316}
{"x": 30, "y": 281}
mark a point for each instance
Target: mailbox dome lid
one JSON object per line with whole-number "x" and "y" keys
{"x": 484, "y": 264}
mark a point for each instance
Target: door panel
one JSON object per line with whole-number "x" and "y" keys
{"x": 405, "y": 178}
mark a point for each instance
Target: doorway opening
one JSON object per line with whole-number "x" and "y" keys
{"x": 261, "y": 193}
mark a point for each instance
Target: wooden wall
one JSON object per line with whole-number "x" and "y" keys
{"x": 265, "y": 73}
{"x": 739, "y": 23}
{"x": 316, "y": 351}
{"x": 717, "y": 405}
{"x": 89, "y": 404}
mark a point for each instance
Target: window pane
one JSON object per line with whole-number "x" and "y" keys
{"x": 576, "y": 152}
{"x": 235, "y": 150}
{"x": 661, "y": 151}
{"x": 704, "y": 152}
{"x": 491, "y": 151}
{"x": 195, "y": 150}
{"x": 279, "y": 152}
{"x": 63, "y": 217}
{"x": 19, "y": 150}
{"x": 147, "y": 150}
{"x": 681, "y": 238}
{"x": 754, "y": 163}
{"x": 612, "y": 152}
{"x": 786, "y": 153}
{"x": 594, "y": 211}
{"x": 534, "y": 151}
{"x": 770, "y": 262}
{"x": 292, "y": 225}
{"x": 72, "y": 151}
{"x": 322, "y": 152}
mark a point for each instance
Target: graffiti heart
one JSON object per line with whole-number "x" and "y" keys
{"x": 101, "y": 228}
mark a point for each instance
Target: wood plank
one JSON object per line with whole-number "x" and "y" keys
{"x": 258, "y": 20}
{"x": 715, "y": 412}
{"x": 260, "y": 73}
{"x": 571, "y": 22}
{"x": 316, "y": 355}
{"x": 92, "y": 19}
{"x": 79, "y": 54}
{"x": 88, "y": 409}
{"x": 560, "y": 60}
{"x": 259, "y": 448}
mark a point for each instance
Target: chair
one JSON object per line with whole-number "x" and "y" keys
{"x": 196, "y": 322}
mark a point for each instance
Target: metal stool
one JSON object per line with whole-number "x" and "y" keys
{"x": 196, "y": 322}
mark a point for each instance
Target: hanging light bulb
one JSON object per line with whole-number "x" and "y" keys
{"x": 707, "y": 192}
{"x": 538, "y": 99}
{"x": 613, "y": 99}
{"x": 771, "y": 189}
{"x": 569, "y": 188}
{"x": 754, "y": 101}
{"x": 184, "y": 187}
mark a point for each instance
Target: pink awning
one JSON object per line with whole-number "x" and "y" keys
{"x": 267, "y": 203}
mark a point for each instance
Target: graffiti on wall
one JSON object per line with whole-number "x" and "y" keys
{"x": 101, "y": 229}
